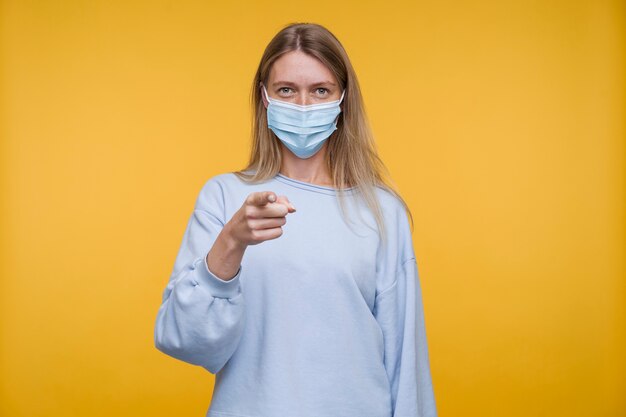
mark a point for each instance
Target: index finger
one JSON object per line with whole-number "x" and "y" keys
{"x": 261, "y": 198}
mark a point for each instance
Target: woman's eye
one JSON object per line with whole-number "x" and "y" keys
{"x": 284, "y": 90}
{"x": 322, "y": 91}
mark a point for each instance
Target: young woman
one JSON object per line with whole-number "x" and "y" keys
{"x": 298, "y": 309}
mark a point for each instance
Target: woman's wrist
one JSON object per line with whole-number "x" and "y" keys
{"x": 231, "y": 243}
{"x": 224, "y": 258}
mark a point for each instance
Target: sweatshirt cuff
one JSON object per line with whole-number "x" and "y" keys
{"x": 217, "y": 287}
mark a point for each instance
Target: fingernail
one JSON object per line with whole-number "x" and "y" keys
{"x": 272, "y": 198}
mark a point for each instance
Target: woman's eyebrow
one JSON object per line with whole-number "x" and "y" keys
{"x": 295, "y": 85}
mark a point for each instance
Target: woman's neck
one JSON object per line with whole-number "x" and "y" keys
{"x": 312, "y": 170}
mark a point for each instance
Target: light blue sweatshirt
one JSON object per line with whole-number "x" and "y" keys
{"x": 323, "y": 321}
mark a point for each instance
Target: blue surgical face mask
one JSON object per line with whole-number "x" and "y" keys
{"x": 303, "y": 129}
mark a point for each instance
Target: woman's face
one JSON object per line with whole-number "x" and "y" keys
{"x": 301, "y": 79}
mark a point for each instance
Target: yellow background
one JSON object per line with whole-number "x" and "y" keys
{"x": 502, "y": 123}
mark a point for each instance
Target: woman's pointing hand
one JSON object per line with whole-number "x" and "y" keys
{"x": 260, "y": 218}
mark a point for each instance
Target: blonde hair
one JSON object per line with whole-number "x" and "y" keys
{"x": 351, "y": 156}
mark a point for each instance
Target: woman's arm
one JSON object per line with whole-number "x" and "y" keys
{"x": 201, "y": 317}
{"x": 400, "y": 313}
{"x": 224, "y": 258}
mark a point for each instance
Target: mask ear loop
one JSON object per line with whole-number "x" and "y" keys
{"x": 267, "y": 97}
{"x": 340, "y": 101}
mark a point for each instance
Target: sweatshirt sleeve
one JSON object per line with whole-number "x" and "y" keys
{"x": 201, "y": 317}
{"x": 400, "y": 314}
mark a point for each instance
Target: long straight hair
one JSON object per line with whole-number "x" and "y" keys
{"x": 351, "y": 155}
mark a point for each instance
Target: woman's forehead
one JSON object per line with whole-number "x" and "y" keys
{"x": 298, "y": 68}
